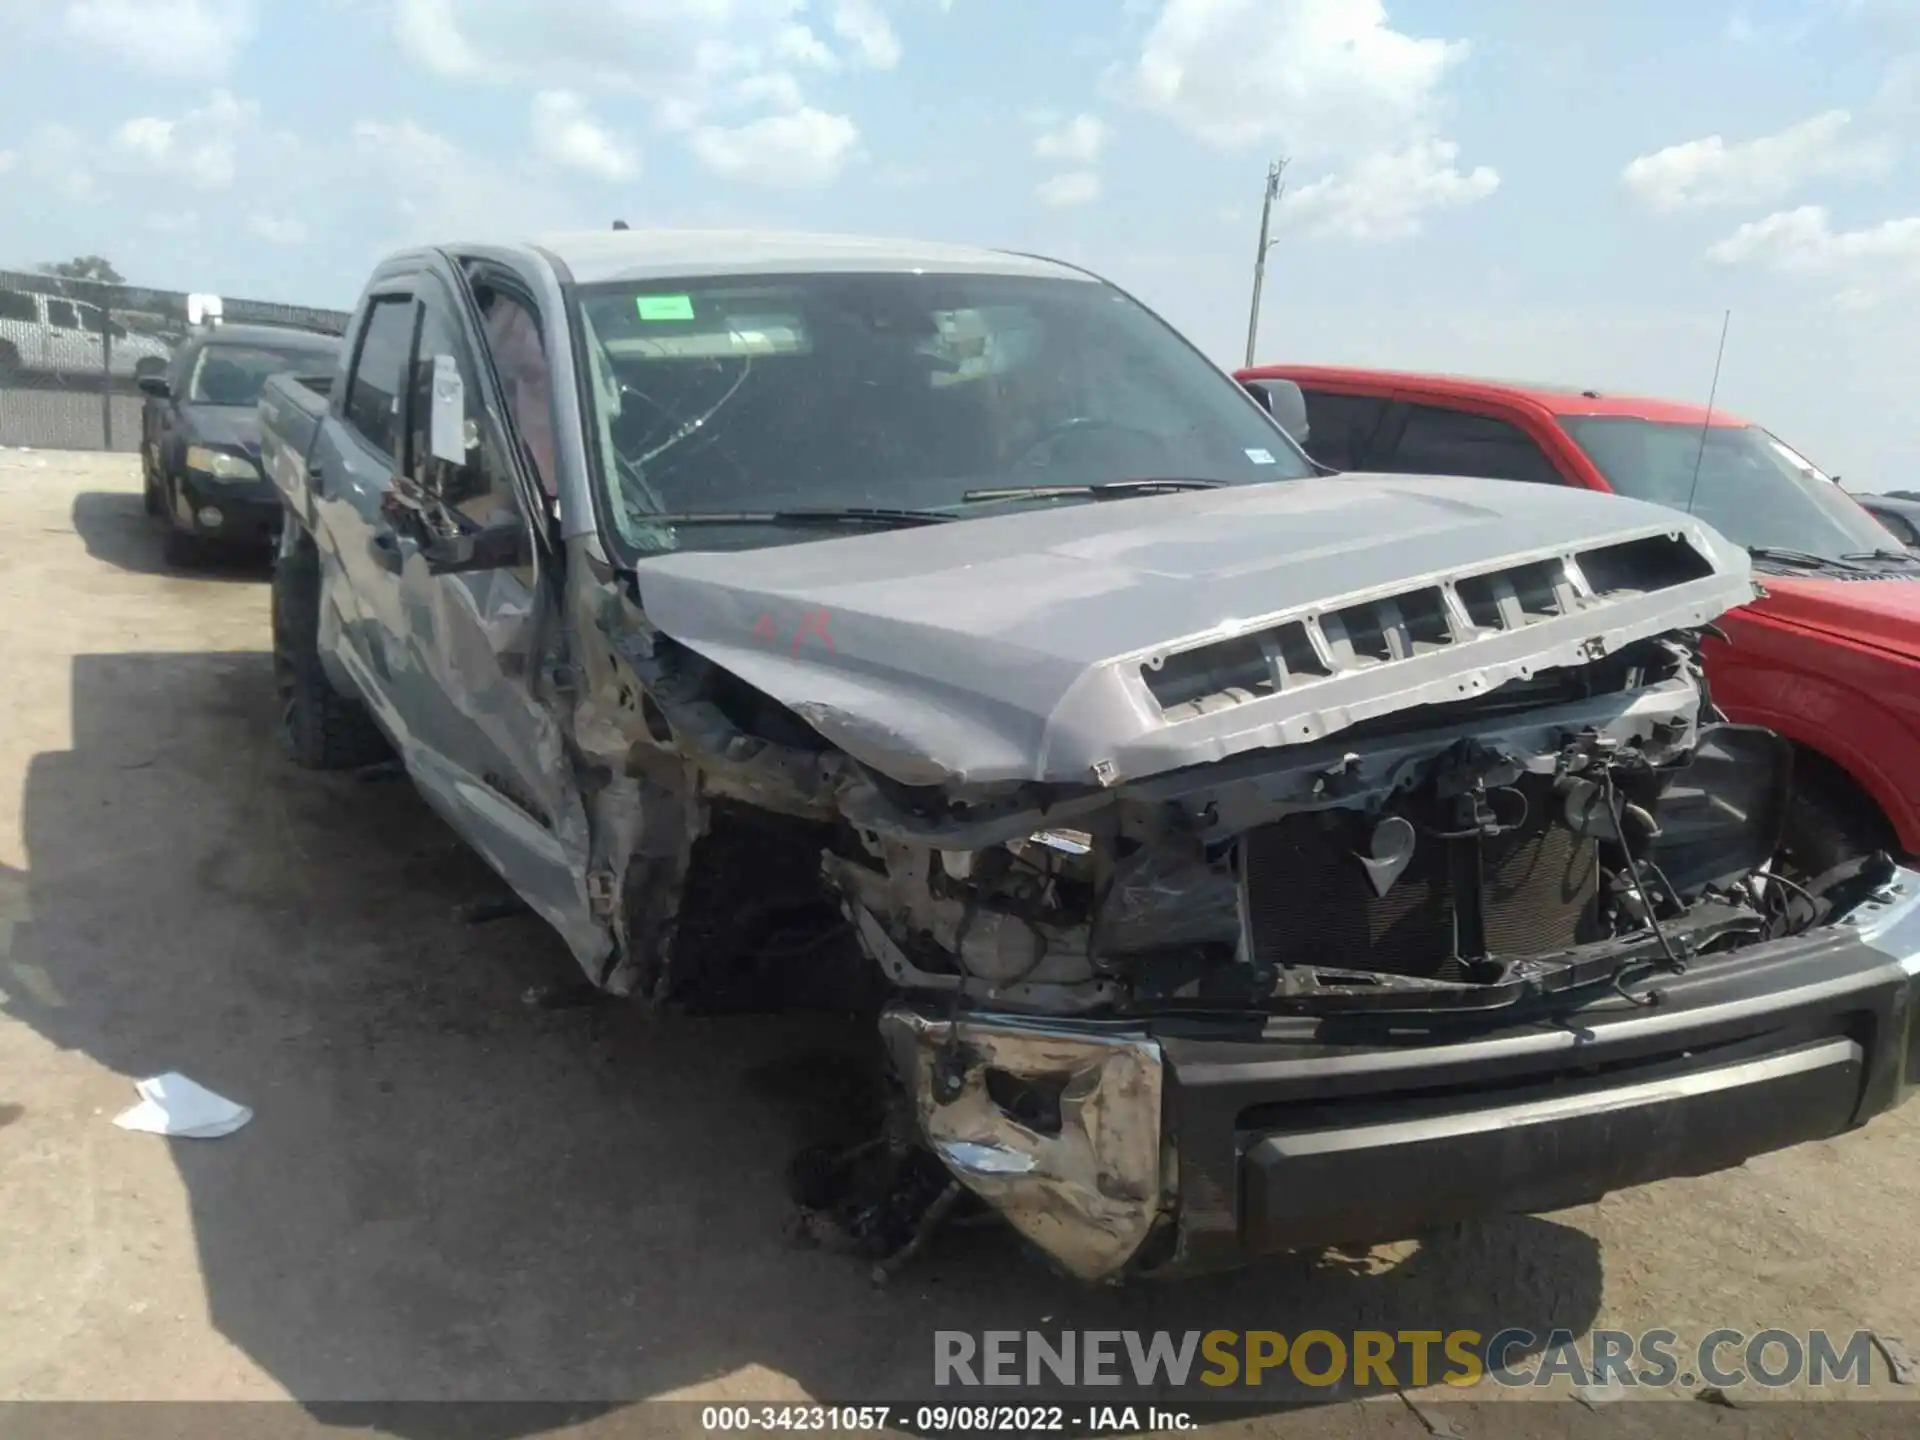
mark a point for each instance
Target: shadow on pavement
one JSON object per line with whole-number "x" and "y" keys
{"x": 448, "y": 1193}
{"x": 117, "y": 530}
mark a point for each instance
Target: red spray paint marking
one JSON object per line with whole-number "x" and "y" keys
{"x": 764, "y": 628}
{"x": 815, "y": 625}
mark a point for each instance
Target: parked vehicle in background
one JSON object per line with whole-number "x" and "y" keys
{"x": 49, "y": 335}
{"x": 200, "y": 435}
{"x": 1829, "y": 657}
{"x": 1227, "y": 865}
{"x": 1899, "y": 513}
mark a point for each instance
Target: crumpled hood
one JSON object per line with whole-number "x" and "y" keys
{"x": 229, "y": 427}
{"x": 1033, "y": 645}
{"x": 1882, "y": 613}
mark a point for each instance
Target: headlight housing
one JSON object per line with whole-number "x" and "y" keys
{"x": 220, "y": 464}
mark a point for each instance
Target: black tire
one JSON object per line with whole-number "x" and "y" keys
{"x": 321, "y": 728}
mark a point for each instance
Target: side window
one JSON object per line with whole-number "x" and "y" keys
{"x": 60, "y": 315}
{"x": 1340, "y": 428}
{"x": 379, "y": 374}
{"x": 456, "y": 453}
{"x": 1901, "y": 527}
{"x": 1452, "y": 442}
{"x": 17, "y": 305}
{"x": 512, "y": 338}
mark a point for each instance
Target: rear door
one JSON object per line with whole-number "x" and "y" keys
{"x": 1343, "y": 426}
{"x": 71, "y": 348}
{"x": 480, "y": 647}
{"x": 356, "y": 458}
{"x": 1429, "y": 437}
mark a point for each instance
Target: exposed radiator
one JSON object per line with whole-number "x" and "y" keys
{"x": 1309, "y": 901}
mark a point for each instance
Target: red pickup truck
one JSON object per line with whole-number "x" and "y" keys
{"x": 1830, "y": 657}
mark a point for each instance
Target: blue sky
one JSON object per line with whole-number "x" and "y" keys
{"x": 1556, "y": 191}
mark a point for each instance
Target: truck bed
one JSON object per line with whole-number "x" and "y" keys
{"x": 291, "y": 409}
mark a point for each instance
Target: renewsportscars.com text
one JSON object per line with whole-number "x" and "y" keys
{"x": 1398, "y": 1358}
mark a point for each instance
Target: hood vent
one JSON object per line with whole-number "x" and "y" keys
{"x": 1389, "y": 628}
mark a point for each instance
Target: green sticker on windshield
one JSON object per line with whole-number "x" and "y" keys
{"x": 664, "y": 307}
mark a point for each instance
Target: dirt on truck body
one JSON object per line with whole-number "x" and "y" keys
{"x": 1234, "y": 858}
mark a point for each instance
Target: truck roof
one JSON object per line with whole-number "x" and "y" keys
{"x": 1554, "y": 399}
{"x": 255, "y": 334}
{"x": 598, "y": 256}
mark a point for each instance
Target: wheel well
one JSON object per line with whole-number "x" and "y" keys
{"x": 1824, "y": 782}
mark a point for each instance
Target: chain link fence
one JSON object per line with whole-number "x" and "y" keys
{"x": 73, "y": 352}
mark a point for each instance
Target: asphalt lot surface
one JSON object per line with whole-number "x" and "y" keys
{"x": 449, "y": 1193}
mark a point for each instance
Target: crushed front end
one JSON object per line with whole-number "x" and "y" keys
{"x": 1502, "y": 956}
{"x": 1406, "y": 902}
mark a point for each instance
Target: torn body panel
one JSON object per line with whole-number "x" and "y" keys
{"x": 1094, "y": 646}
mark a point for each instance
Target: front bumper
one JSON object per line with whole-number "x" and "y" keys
{"x": 1189, "y": 1145}
{"x": 249, "y": 510}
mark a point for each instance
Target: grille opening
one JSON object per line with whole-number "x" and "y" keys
{"x": 1241, "y": 667}
{"x": 1658, "y": 562}
{"x": 1236, "y": 664}
{"x": 1507, "y": 599}
{"x": 1365, "y": 629}
{"x": 1297, "y": 652}
{"x": 1479, "y": 594}
{"x": 1424, "y": 613}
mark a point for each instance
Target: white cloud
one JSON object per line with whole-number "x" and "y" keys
{"x": 808, "y": 147}
{"x": 1075, "y": 187}
{"x": 1314, "y": 77}
{"x": 1078, "y": 142}
{"x": 692, "y": 61}
{"x": 278, "y": 229}
{"x": 1712, "y": 171}
{"x": 8, "y": 159}
{"x": 190, "y": 39}
{"x": 1805, "y": 241}
{"x": 1387, "y": 196}
{"x": 200, "y": 147}
{"x": 429, "y": 32}
{"x": 566, "y": 134}
{"x": 863, "y": 25}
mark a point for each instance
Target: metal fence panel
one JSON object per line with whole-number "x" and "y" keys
{"x": 72, "y": 353}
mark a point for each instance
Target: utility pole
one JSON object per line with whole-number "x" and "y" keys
{"x": 1274, "y": 187}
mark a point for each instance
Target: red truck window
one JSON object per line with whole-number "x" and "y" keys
{"x": 1453, "y": 442}
{"x": 1340, "y": 428}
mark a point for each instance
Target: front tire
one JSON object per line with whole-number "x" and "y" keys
{"x": 321, "y": 728}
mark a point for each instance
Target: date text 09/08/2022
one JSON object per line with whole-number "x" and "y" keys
{"x": 944, "y": 1419}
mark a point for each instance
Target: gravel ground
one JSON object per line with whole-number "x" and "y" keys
{"x": 447, "y": 1193}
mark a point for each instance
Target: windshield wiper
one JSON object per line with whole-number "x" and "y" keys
{"x": 1800, "y": 559}
{"x": 872, "y": 517}
{"x": 1107, "y": 490}
{"x": 1904, "y": 556}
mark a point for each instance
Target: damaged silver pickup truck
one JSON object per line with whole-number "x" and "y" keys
{"x": 1234, "y": 858}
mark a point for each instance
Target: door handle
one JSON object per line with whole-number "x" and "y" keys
{"x": 385, "y": 549}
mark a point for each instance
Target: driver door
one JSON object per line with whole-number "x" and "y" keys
{"x": 482, "y": 645}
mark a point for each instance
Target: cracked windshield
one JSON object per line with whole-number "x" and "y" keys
{"x": 924, "y": 393}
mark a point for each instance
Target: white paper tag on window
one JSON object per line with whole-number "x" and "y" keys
{"x": 448, "y": 433}
{"x": 1260, "y": 457}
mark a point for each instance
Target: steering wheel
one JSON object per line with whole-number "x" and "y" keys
{"x": 1080, "y": 425}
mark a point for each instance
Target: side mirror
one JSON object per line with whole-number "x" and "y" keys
{"x": 1282, "y": 400}
{"x": 156, "y": 386}
{"x": 496, "y": 546}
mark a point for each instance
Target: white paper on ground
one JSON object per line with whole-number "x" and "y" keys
{"x": 171, "y": 1104}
